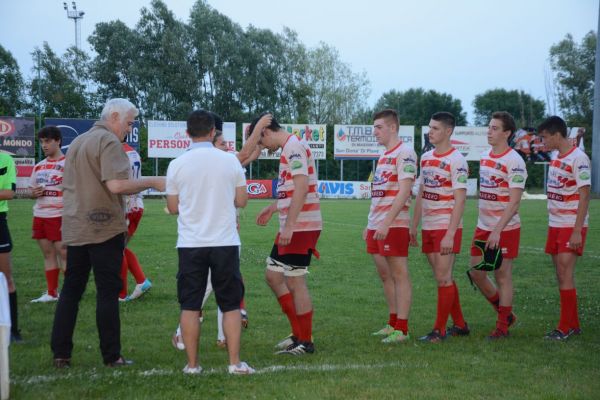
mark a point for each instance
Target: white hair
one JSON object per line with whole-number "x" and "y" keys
{"x": 119, "y": 106}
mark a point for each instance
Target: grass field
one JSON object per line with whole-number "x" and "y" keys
{"x": 349, "y": 305}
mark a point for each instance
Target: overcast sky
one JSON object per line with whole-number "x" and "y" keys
{"x": 461, "y": 47}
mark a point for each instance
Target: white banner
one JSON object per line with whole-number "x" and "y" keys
{"x": 168, "y": 139}
{"x": 471, "y": 141}
{"x": 344, "y": 190}
{"x": 314, "y": 134}
{"x": 358, "y": 141}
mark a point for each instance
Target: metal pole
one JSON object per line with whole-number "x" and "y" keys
{"x": 545, "y": 176}
{"x": 596, "y": 123}
{"x": 341, "y": 170}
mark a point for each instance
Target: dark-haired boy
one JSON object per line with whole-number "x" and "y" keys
{"x": 568, "y": 190}
{"x": 204, "y": 186}
{"x": 387, "y": 234}
{"x": 299, "y": 229}
{"x": 46, "y": 188}
{"x": 502, "y": 176}
{"x": 440, "y": 206}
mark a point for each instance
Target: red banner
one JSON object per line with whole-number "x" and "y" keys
{"x": 259, "y": 189}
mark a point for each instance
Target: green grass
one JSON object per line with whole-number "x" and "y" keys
{"x": 349, "y": 305}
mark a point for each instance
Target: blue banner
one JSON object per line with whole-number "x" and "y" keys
{"x": 71, "y": 128}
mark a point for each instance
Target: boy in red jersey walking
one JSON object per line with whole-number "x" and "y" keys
{"x": 502, "y": 176}
{"x": 568, "y": 190}
{"x": 387, "y": 233}
{"x": 440, "y": 205}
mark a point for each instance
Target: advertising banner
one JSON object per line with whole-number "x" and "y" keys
{"x": 24, "y": 168}
{"x": 17, "y": 136}
{"x": 357, "y": 142}
{"x": 72, "y": 127}
{"x": 344, "y": 190}
{"x": 259, "y": 189}
{"x": 471, "y": 141}
{"x": 168, "y": 139}
{"x": 314, "y": 134}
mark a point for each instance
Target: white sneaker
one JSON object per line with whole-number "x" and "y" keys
{"x": 240, "y": 369}
{"x": 177, "y": 340}
{"x": 192, "y": 371}
{"x": 45, "y": 298}
{"x": 140, "y": 289}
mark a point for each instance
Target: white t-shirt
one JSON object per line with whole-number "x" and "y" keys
{"x": 205, "y": 179}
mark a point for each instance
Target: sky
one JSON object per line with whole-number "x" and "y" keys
{"x": 460, "y": 47}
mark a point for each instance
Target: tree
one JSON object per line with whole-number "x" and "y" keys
{"x": 526, "y": 110}
{"x": 573, "y": 66}
{"x": 61, "y": 90}
{"x": 11, "y": 84}
{"x": 415, "y": 106}
{"x": 337, "y": 93}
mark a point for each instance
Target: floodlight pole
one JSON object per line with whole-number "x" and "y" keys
{"x": 596, "y": 123}
{"x": 75, "y": 15}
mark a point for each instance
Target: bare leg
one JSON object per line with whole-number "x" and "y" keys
{"x": 190, "y": 331}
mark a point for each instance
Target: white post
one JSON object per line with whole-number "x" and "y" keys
{"x": 4, "y": 339}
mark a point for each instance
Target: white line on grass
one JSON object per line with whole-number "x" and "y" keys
{"x": 94, "y": 374}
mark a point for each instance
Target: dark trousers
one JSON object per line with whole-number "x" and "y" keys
{"x": 105, "y": 258}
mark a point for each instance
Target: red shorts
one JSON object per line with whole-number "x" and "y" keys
{"x": 509, "y": 242}
{"x": 432, "y": 238}
{"x": 395, "y": 243}
{"x": 133, "y": 220}
{"x": 47, "y": 228}
{"x": 558, "y": 239}
{"x": 301, "y": 243}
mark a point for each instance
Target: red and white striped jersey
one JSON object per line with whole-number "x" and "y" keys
{"x": 567, "y": 173}
{"x": 393, "y": 166}
{"x": 498, "y": 173}
{"x": 296, "y": 159}
{"x": 133, "y": 201}
{"x": 48, "y": 173}
{"x": 441, "y": 175}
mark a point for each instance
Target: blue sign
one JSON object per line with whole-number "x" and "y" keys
{"x": 71, "y": 128}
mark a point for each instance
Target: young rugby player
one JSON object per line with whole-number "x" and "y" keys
{"x": 387, "y": 231}
{"x": 46, "y": 188}
{"x": 502, "y": 176}
{"x": 568, "y": 190}
{"x": 440, "y": 205}
{"x": 299, "y": 229}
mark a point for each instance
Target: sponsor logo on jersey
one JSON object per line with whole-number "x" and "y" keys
{"x": 382, "y": 178}
{"x": 410, "y": 169}
{"x": 296, "y": 164}
{"x": 518, "y": 179}
{"x": 584, "y": 175}
{"x": 462, "y": 179}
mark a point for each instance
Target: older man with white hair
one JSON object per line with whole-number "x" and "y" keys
{"x": 93, "y": 228}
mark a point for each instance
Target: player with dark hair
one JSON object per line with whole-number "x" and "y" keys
{"x": 568, "y": 190}
{"x": 207, "y": 237}
{"x": 387, "y": 232}
{"x": 440, "y": 205}
{"x": 299, "y": 229}
{"x": 502, "y": 176}
{"x": 46, "y": 188}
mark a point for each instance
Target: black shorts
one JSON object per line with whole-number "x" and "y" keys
{"x": 5, "y": 240}
{"x": 297, "y": 260}
{"x": 224, "y": 265}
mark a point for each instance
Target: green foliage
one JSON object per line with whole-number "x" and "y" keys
{"x": 415, "y": 106}
{"x": 11, "y": 84}
{"x": 60, "y": 87}
{"x": 348, "y": 300}
{"x": 526, "y": 110}
{"x": 573, "y": 65}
